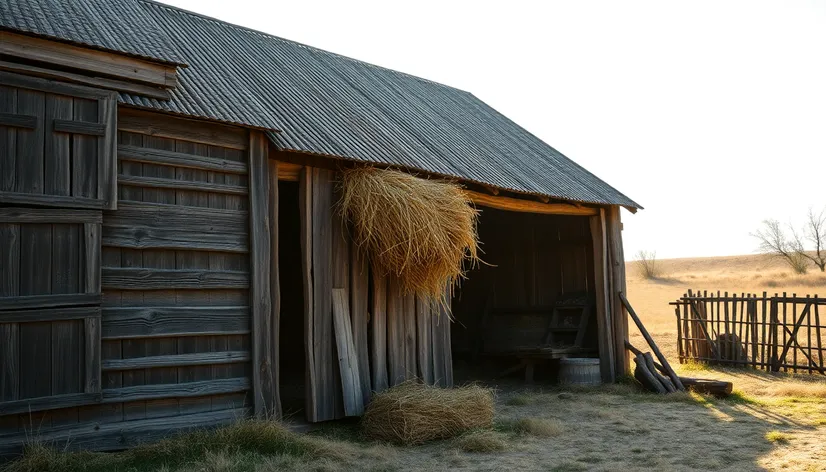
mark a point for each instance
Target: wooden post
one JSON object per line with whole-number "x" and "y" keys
{"x": 604, "y": 324}
{"x": 264, "y": 388}
{"x": 275, "y": 290}
{"x": 618, "y": 285}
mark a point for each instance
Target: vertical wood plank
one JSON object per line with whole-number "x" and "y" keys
{"x": 395, "y": 333}
{"x": 379, "y": 332}
{"x": 66, "y": 335}
{"x": 604, "y": 325}
{"x": 447, "y": 347}
{"x": 85, "y": 151}
{"x": 618, "y": 283}
{"x": 8, "y": 142}
{"x": 107, "y": 152}
{"x": 92, "y": 355}
{"x": 347, "y": 358}
{"x": 359, "y": 285}
{"x": 424, "y": 340}
{"x": 275, "y": 290}
{"x": 9, "y": 361}
{"x": 92, "y": 262}
{"x": 409, "y": 324}
{"x": 305, "y": 201}
{"x": 263, "y": 380}
{"x": 57, "y": 165}
{"x": 9, "y": 287}
{"x": 30, "y": 143}
{"x": 35, "y": 338}
{"x": 9, "y": 260}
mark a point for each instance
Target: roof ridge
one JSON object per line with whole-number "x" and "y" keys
{"x": 296, "y": 43}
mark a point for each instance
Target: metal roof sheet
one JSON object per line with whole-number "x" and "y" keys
{"x": 328, "y": 104}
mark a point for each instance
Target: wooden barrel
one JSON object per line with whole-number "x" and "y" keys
{"x": 579, "y": 371}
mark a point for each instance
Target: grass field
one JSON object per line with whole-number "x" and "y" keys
{"x": 772, "y": 422}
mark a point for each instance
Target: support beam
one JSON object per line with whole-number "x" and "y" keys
{"x": 616, "y": 264}
{"x": 528, "y": 206}
{"x": 605, "y": 328}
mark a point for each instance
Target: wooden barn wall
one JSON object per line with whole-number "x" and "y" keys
{"x": 530, "y": 261}
{"x": 362, "y": 333}
{"x": 175, "y": 314}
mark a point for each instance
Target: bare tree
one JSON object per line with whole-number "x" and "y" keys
{"x": 814, "y": 233}
{"x": 774, "y": 240}
{"x": 647, "y": 265}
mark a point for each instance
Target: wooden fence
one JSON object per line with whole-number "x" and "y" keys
{"x": 774, "y": 333}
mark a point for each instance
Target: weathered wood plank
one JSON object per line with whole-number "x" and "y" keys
{"x": 198, "y": 131}
{"x": 99, "y": 62}
{"x": 360, "y": 316}
{"x": 147, "y": 237}
{"x": 605, "y": 330}
{"x": 85, "y": 151}
{"x": 347, "y": 357}
{"x": 52, "y": 402}
{"x": 35, "y": 338}
{"x": 79, "y": 127}
{"x": 162, "y": 321}
{"x": 176, "y": 360}
{"x": 424, "y": 341}
{"x": 378, "y": 332}
{"x": 529, "y": 206}
{"x": 121, "y": 435}
{"x": 18, "y": 121}
{"x": 92, "y": 357}
{"x": 43, "y": 215}
{"x": 49, "y": 200}
{"x": 437, "y": 341}
{"x": 9, "y": 361}
{"x": 159, "y": 215}
{"x": 97, "y": 82}
{"x": 182, "y": 184}
{"x": 275, "y": 290}
{"x": 176, "y": 390}
{"x": 10, "y": 262}
{"x": 49, "y": 301}
{"x": 30, "y": 143}
{"x": 107, "y": 152}
{"x": 395, "y": 333}
{"x": 180, "y": 159}
{"x": 8, "y": 141}
{"x": 305, "y": 202}
{"x": 409, "y": 323}
{"x": 264, "y": 388}
{"x": 447, "y": 347}
{"x": 327, "y": 388}
{"x": 50, "y": 314}
{"x": 120, "y": 278}
{"x": 58, "y": 176}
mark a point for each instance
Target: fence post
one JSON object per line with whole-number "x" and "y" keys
{"x": 775, "y": 363}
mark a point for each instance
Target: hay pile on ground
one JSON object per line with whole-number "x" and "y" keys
{"x": 422, "y": 231}
{"x": 413, "y": 413}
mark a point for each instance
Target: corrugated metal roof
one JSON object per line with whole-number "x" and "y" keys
{"x": 121, "y": 26}
{"x": 327, "y": 104}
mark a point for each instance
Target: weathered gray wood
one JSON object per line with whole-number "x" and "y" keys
{"x": 79, "y": 127}
{"x": 447, "y": 348}
{"x": 158, "y": 215}
{"x": 165, "y": 279}
{"x": 144, "y": 237}
{"x": 52, "y": 402}
{"x": 99, "y": 82}
{"x": 275, "y": 290}
{"x": 182, "y": 184}
{"x": 437, "y": 341}
{"x": 48, "y": 301}
{"x": 49, "y": 200}
{"x": 378, "y": 332}
{"x": 50, "y": 314}
{"x": 327, "y": 388}
{"x": 197, "y": 131}
{"x": 118, "y": 436}
{"x": 92, "y": 254}
{"x": 58, "y": 176}
{"x": 86, "y": 151}
{"x": 605, "y": 330}
{"x": 8, "y": 141}
{"x": 409, "y": 323}
{"x": 424, "y": 342}
{"x": 107, "y": 152}
{"x": 9, "y": 263}
{"x": 35, "y": 338}
{"x": 18, "y": 121}
{"x": 30, "y": 143}
{"x": 9, "y": 361}
{"x": 179, "y": 159}
{"x": 145, "y": 322}
{"x": 264, "y": 387}
{"x": 66, "y": 342}
{"x": 395, "y": 333}
{"x": 176, "y": 360}
{"x": 347, "y": 357}
{"x": 92, "y": 357}
{"x": 646, "y": 377}
{"x": 305, "y": 202}
{"x": 42, "y": 215}
{"x": 618, "y": 284}
{"x": 176, "y": 390}
{"x": 360, "y": 316}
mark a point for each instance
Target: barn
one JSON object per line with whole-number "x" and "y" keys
{"x": 170, "y": 249}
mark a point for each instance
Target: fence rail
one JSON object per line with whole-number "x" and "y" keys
{"x": 774, "y": 333}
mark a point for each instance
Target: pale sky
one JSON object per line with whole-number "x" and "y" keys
{"x": 710, "y": 114}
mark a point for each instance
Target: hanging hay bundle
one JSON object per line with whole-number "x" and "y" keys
{"x": 422, "y": 231}
{"x": 412, "y": 413}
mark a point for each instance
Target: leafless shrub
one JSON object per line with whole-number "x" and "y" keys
{"x": 647, "y": 265}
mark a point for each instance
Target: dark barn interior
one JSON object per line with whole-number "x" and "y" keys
{"x": 535, "y": 291}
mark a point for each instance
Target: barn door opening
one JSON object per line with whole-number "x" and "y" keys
{"x": 291, "y": 332}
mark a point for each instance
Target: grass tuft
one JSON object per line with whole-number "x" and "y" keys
{"x": 778, "y": 437}
{"x": 482, "y": 441}
{"x": 540, "y": 427}
{"x": 519, "y": 400}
